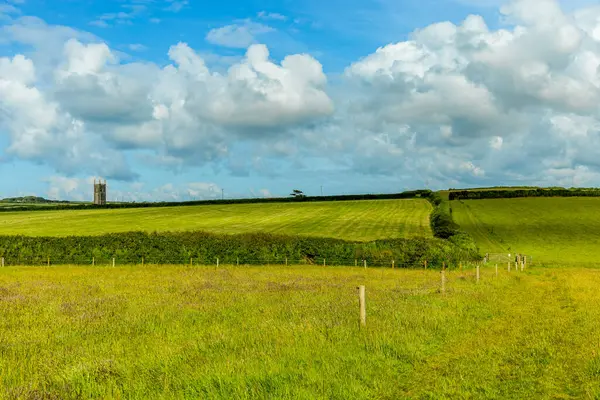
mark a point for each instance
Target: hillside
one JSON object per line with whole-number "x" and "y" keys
{"x": 552, "y": 230}
{"x": 352, "y": 220}
{"x": 30, "y": 200}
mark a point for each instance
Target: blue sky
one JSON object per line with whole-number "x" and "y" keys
{"x": 176, "y": 99}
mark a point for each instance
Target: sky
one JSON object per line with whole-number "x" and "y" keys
{"x": 188, "y": 99}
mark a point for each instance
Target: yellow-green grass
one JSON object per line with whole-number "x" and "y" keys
{"x": 352, "y": 220}
{"x": 234, "y": 333}
{"x": 552, "y": 230}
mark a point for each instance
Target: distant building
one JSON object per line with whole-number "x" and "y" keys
{"x": 100, "y": 192}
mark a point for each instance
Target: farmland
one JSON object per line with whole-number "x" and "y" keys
{"x": 352, "y": 220}
{"x": 175, "y": 332}
{"x": 552, "y": 230}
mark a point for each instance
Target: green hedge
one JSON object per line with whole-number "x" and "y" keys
{"x": 404, "y": 195}
{"x": 205, "y": 248}
{"x": 443, "y": 225}
{"x": 507, "y": 194}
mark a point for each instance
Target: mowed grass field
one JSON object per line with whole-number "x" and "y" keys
{"x": 292, "y": 333}
{"x": 351, "y": 220}
{"x": 552, "y": 230}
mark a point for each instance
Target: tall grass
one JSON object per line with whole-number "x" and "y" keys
{"x": 292, "y": 333}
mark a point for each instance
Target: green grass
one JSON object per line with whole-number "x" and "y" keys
{"x": 351, "y": 220}
{"x": 552, "y": 230}
{"x": 235, "y": 333}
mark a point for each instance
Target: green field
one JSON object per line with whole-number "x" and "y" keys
{"x": 351, "y": 220}
{"x": 292, "y": 333}
{"x": 551, "y": 230}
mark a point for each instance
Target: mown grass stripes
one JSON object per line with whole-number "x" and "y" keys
{"x": 352, "y": 220}
{"x": 552, "y": 230}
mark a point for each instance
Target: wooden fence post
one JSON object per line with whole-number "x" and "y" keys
{"x": 324, "y": 261}
{"x": 509, "y": 266}
{"x": 362, "y": 306}
{"x": 355, "y": 262}
{"x": 2, "y": 261}
{"x": 238, "y": 261}
{"x": 425, "y": 264}
{"x": 113, "y": 262}
{"x": 365, "y": 262}
{"x": 217, "y": 262}
{"x": 477, "y": 273}
{"x": 93, "y": 261}
{"x": 496, "y": 270}
{"x": 285, "y": 261}
{"x": 443, "y": 277}
{"x": 48, "y": 261}
{"x": 142, "y": 261}
{"x": 393, "y": 262}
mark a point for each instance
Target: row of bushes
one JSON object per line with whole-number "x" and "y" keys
{"x": 443, "y": 225}
{"x": 539, "y": 192}
{"x": 251, "y": 248}
{"x": 404, "y": 195}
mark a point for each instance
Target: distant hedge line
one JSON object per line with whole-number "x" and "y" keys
{"x": 505, "y": 194}
{"x": 205, "y": 248}
{"x": 443, "y": 225}
{"x": 404, "y": 195}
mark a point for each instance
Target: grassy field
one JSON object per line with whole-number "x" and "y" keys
{"x": 177, "y": 332}
{"x": 352, "y": 220}
{"x": 552, "y": 230}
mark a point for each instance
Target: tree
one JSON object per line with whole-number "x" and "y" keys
{"x": 297, "y": 193}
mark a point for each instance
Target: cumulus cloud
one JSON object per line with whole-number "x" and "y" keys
{"x": 459, "y": 86}
{"x": 455, "y": 103}
{"x": 237, "y": 35}
{"x": 94, "y": 106}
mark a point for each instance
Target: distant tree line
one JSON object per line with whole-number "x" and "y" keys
{"x": 293, "y": 199}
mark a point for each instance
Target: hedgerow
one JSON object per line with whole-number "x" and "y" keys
{"x": 87, "y": 206}
{"x": 443, "y": 225}
{"x": 205, "y": 248}
{"x": 507, "y": 194}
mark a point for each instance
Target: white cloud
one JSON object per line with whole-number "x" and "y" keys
{"x": 496, "y": 142}
{"x": 137, "y": 47}
{"x": 447, "y": 105}
{"x": 271, "y": 16}
{"x": 239, "y": 35}
{"x": 176, "y": 5}
{"x": 529, "y": 90}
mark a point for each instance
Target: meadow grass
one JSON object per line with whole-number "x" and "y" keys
{"x": 362, "y": 220}
{"x": 292, "y": 333}
{"x": 552, "y": 230}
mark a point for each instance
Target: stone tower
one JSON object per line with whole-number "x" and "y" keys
{"x": 100, "y": 192}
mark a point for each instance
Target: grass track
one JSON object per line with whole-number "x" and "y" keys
{"x": 352, "y": 220}
{"x": 177, "y": 332}
{"x": 553, "y": 230}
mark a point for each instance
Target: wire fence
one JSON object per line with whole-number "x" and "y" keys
{"x": 229, "y": 261}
